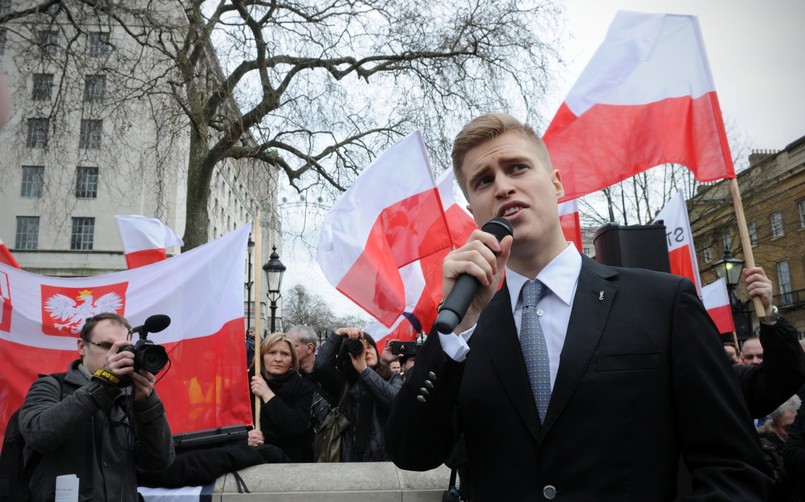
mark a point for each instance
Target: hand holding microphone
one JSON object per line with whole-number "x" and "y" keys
{"x": 471, "y": 262}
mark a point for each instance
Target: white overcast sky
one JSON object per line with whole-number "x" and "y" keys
{"x": 755, "y": 49}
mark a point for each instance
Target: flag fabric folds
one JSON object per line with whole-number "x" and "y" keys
{"x": 717, "y": 302}
{"x": 390, "y": 218}
{"x": 145, "y": 240}
{"x": 205, "y": 385}
{"x": 6, "y": 256}
{"x": 681, "y": 252}
{"x": 646, "y": 98}
{"x": 423, "y": 279}
{"x": 571, "y": 224}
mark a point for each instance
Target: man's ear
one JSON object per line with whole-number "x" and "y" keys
{"x": 82, "y": 347}
{"x": 557, "y": 184}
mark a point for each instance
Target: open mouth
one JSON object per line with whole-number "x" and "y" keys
{"x": 510, "y": 209}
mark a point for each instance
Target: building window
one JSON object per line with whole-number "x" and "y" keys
{"x": 776, "y": 220}
{"x": 86, "y": 185}
{"x": 5, "y": 6}
{"x": 37, "y": 133}
{"x": 784, "y": 282}
{"x": 752, "y": 228}
{"x": 43, "y": 87}
{"x": 2, "y": 41}
{"x": 27, "y": 232}
{"x": 801, "y": 207}
{"x": 94, "y": 88}
{"x": 90, "y": 134}
{"x": 707, "y": 255}
{"x": 48, "y": 42}
{"x": 99, "y": 44}
{"x": 83, "y": 233}
{"x": 32, "y": 177}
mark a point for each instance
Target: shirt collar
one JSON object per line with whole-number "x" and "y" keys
{"x": 560, "y": 276}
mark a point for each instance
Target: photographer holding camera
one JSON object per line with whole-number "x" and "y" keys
{"x": 349, "y": 361}
{"x": 99, "y": 421}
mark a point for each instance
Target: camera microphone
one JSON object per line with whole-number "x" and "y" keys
{"x": 458, "y": 301}
{"x": 154, "y": 324}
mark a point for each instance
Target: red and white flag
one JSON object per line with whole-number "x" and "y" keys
{"x": 391, "y": 217}
{"x": 145, "y": 240}
{"x": 646, "y": 98}
{"x": 681, "y": 252}
{"x": 205, "y": 385}
{"x": 6, "y": 256}
{"x": 571, "y": 225}
{"x": 717, "y": 302}
{"x": 423, "y": 279}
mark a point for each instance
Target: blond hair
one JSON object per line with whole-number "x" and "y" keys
{"x": 270, "y": 340}
{"x": 487, "y": 127}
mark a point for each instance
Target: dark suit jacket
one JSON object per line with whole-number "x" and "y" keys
{"x": 642, "y": 379}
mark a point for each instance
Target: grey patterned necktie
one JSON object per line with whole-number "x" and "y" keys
{"x": 535, "y": 351}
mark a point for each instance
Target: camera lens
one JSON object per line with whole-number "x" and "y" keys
{"x": 355, "y": 347}
{"x": 151, "y": 358}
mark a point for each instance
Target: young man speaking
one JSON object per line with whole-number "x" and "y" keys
{"x": 576, "y": 381}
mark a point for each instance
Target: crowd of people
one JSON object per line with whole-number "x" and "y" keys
{"x": 643, "y": 404}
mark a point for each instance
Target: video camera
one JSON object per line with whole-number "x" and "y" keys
{"x": 148, "y": 355}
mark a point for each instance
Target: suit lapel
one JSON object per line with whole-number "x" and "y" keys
{"x": 499, "y": 337}
{"x": 591, "y": 308}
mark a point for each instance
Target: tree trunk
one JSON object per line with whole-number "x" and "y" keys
{"x": 199, "y": 175}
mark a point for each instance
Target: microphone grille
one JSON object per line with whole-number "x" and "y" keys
{"x": 499, "y": 227}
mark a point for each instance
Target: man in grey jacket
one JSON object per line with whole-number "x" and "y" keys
{"x": 111, "y": 423}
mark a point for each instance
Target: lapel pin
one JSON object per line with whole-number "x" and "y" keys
{"x": 601, "y": 296}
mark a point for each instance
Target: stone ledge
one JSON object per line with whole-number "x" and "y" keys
{"x": 348, "y": 482}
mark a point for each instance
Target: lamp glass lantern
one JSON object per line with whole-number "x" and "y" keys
{"x": 729, "y": 268}
{"x": 274, "y": 270}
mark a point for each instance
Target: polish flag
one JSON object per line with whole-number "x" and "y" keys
{"x": 423, "y": 279}
{"x": 717, "y": 302}
{"x": 571, "y": 225}
{"x": 205, "y": 385}
{"x": 6, "y": 256}
{"x": 679, "y": 238}
{"x": 145, "y": 240}
{"x": 646, "y": 98}
{"x": 391, "y": 217}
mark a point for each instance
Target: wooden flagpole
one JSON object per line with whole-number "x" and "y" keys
{"x": 258, "y": 328}
{"x": 746, "y": 244}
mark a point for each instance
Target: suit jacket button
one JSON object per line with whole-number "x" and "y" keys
{"x": 549, "y": 492}
{"x": 423, "y": 391}
{"x": 432, "y": 375}
{"x": 421, "y": 398}
{"x": 428, "y": 384}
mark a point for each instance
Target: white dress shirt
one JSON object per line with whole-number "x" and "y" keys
{"x": 561, "y": 276}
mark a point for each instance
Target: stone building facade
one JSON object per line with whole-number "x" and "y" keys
{"x": 773, "y": 193}
{"x": 85, "y": 141}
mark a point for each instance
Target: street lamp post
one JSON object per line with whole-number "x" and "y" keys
{"x": 729, "y": 268}
{"x": 274, "y": 270}
{"x": 248, "y": 284}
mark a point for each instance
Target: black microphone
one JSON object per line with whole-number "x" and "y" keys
{"x": 466, "y": 287}
{"x": 154, "y": 324}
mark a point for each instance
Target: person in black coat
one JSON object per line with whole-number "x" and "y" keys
{"x": 349, "y": 360}
{"x": 285, "y": 397}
